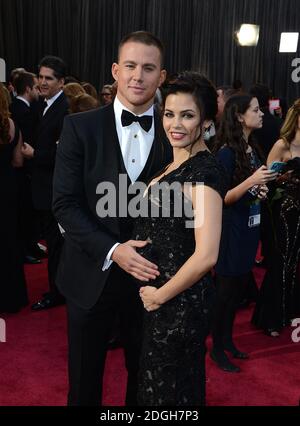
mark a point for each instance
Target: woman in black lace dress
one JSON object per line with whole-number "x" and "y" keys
{"x": 13, "y": 293}
{"x": 279, "y": 297}
{"x": 178, "y": 303}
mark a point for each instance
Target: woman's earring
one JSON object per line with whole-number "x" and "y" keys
{"x": 209, "y": 132}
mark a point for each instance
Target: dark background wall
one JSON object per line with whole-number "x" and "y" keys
{"x": 198, "y": 34}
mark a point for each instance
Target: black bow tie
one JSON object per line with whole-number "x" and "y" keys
{"x": 145, "y": 120}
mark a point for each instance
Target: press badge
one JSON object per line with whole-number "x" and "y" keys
{"x": 254, "y": 216}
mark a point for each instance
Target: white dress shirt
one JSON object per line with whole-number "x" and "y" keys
{"x": 135, "y": 144}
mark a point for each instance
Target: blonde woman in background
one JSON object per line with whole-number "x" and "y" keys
{"x": 279, "y": 297}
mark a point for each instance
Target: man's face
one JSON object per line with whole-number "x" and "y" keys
{"x": 138, "y": 75}
{"x": 48, "y": 83}
{"x": 34, "y": 93}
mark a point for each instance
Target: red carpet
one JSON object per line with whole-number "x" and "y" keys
{"x": 34, "y": 361}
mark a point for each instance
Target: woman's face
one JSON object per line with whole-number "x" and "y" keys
{"x": 252, "y": 118}
{"x": 106, "y": 96}
{"x": 181, "y": 120}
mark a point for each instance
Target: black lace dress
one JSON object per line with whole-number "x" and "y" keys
{"x": 172, "y": 369}
{"x": 13, "y": 292}
{"x": 279, "y": 297}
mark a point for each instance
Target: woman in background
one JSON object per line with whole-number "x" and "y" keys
{"x": 90, "y": 90}
{"x": 13, "y": 293}
{"x": 279, "y": 297}
{"x": 106, "y": 95}
{"x": 71, "y": 90}
{"x": 236, "y": 150}
{"x": 83, "y": 102}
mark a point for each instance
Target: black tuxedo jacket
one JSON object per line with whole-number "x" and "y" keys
{"x": 26, "y": 119}
{"x": 89, "y": 153}
{"x": 45, "y": 145}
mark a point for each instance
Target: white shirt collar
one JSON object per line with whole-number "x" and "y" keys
{"x": 118, "y": 108}
{"x": 135, "y": 142}
{"x": 53, "y": 99}
{"x": 23, "y": 99}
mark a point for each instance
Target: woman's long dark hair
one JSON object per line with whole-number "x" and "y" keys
{"x": 231, "y": 134}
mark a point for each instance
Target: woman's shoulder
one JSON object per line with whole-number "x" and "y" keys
{"x": 225, "y": 152}
{"x": 278, "y": 151}
{"x": 206, "y": 169}
{"x": 280, "y": 145}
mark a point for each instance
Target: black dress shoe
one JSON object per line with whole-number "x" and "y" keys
{"x": 235, "y": 352}
{"x": 47, "y": 303}
{"x": 272, "y": 332}
{"x": 115, "y": 343}
{"x": 35, "y": 251}
{"x": 31, "y": 260}
{"x": 260, "y": 263}
{"x": 244, "y": 304}
{"x": 240, "y": 355}
{"x": 222, "y": 361}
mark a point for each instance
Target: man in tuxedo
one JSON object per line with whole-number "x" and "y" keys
{"x": 27, "y": 92}
{"x": 98, "y": 257}
{"x": 52, "y": 71}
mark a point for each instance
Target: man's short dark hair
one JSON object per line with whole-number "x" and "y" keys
{"x": 143, "y": 37}
{"x": 23, "y": 80}
{"x": 15, "y": 73}
{"x": 56, "y": 64}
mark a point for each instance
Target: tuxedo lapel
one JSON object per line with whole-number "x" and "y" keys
{"x": 51, "y": 112}
{"x": 112, "y": 139}
{"x": 110, "y": 162}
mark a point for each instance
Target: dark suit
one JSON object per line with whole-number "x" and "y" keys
{"x": 89, "y": 153}
{"x": 45, "y": 144}
{"x": 43, "y": 162}
{"x": 25, "y": 117}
